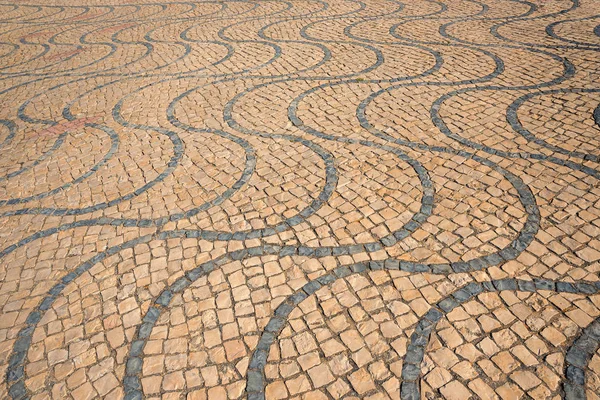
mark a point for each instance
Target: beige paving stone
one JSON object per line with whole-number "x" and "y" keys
{"x": 297, "y": 385}
{"x": 525, "y": 379}
{"x": 276, "y": 390}
{"x": 361, "y": 381}
{"x": 438, "y": 377}
{"x": 320, "y": 375}
{"x": 481, "y": 389}
{"x": 140, "y": 141}
{"x": 455, "y": 390}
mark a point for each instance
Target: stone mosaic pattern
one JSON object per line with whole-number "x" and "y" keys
{"x": 300, "y": 200}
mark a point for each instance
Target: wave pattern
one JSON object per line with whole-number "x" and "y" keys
{"x": 308, "y": 200}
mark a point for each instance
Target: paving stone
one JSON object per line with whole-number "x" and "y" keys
{"x": 276, "y": 199}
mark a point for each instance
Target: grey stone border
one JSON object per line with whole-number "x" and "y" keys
{"x": 134, "y": 363}
{"x": 114, "y": 144}
{"x": 255, "y": 381}
{"x": 577, "y": 359}
{"x": 513, "y": 119}
{"x": 419, "y": 339}
{"x": 15, "y": 370}
{"x": 411, "y": 369}
{"x": 12, "y": 130}
{"x": 15, "y": 373}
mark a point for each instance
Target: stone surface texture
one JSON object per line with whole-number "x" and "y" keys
{"x": 308, "y": 199}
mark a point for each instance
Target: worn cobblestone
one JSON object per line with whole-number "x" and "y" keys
{"x": 300, "y": 200}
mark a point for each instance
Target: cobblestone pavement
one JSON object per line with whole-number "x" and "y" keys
{"x": 309, "y": 200}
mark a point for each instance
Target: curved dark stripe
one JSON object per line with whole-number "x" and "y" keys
{"x": 415, "y": 352}
{"x": 173, "y": 13}
{"x": 513, "y": 119}
{"x": 114, "y": 144}
{"x": 577, "y": 360}
{"x": 550, "y": 31}
{"x": 15, "y": 371}
{"x": 12, "y": 129}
